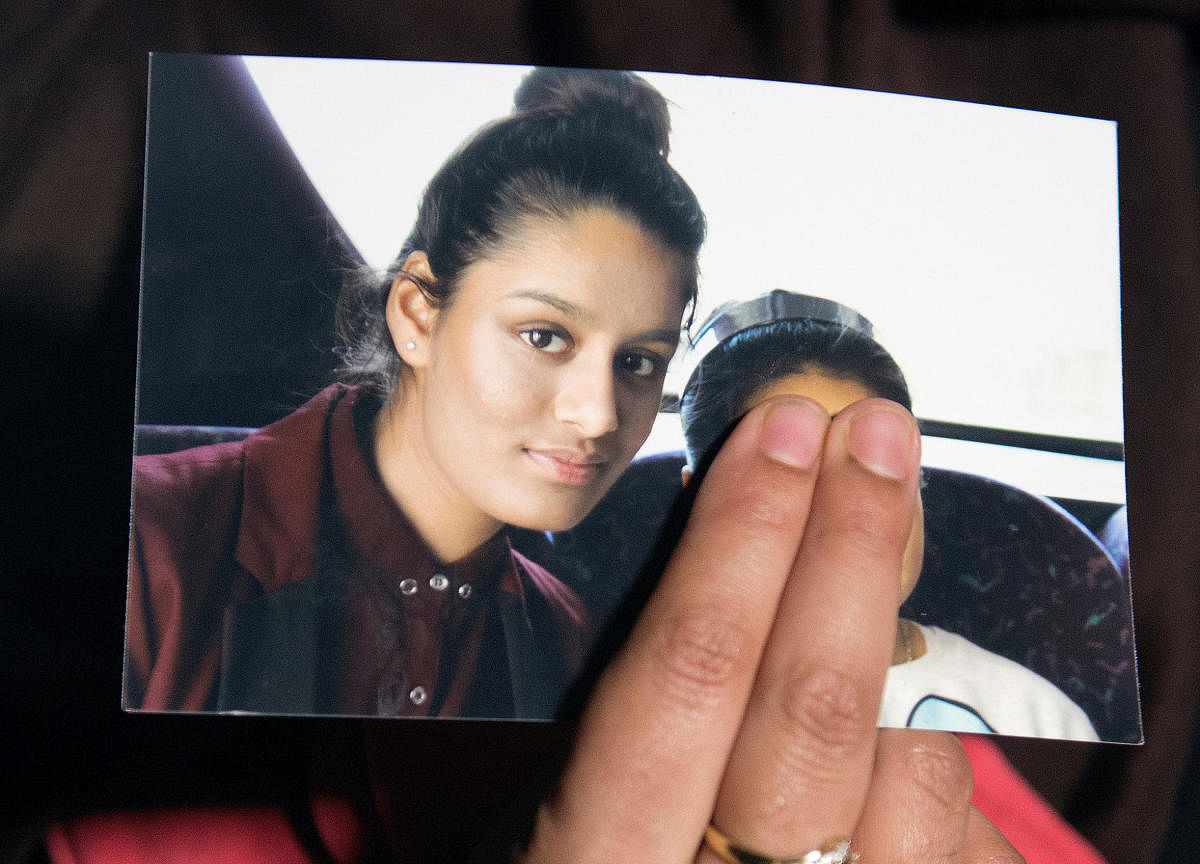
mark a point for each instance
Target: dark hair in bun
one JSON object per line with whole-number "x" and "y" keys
{"x": 576, "y": 139}
{"x": 604, "y": 98}
{"x": 717, "y": 394}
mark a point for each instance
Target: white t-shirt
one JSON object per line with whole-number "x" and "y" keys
{"x": 958, "y": 686}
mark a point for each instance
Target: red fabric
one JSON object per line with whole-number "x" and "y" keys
{"x": 1030, "y": 824}
{"x": 216, "y": 835}
{"x": 250, "y": 835}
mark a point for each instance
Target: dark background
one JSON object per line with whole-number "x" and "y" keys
{"x": 72, "y": 111}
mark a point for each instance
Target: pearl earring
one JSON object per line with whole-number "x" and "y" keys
{"x": 410, "y": 345}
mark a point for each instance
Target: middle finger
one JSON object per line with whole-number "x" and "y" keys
{"x": 801, "y": 765}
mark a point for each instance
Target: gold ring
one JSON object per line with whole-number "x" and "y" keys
{"x": 833, "y": 852}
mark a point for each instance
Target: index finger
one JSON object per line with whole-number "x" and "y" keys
{"x": 643, "y": 778}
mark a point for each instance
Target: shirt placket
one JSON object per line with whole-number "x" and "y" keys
{"x": 424, "y": 598}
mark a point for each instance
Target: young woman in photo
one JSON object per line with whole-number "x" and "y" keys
{"x": 352, "y": 557}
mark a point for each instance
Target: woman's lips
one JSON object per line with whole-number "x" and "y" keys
{"x": 567, "y": 466}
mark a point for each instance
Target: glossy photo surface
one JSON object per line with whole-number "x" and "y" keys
{"x": 980, "y": 242}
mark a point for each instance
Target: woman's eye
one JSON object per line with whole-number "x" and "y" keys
{"x": 638, "y": 364}
{"x": 545, "y": 340}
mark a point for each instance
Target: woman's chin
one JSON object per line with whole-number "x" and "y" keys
{"x": 547, "y": 515}
{"x": 544, "y": 503}
{"x": 552, "y": 522}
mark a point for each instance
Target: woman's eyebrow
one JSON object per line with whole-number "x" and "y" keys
{"x": 566, "y": 307}
{"x": 665, "y": 334}
{"x": 668, "y": 335}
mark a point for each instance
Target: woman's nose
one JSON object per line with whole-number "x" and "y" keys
{"x": 587, "y": 398}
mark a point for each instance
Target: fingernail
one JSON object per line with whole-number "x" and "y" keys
{"x": 882, "y": 441}
{"x": 793, "y": 432}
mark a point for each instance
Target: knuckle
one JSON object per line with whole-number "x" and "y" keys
{"x": 764, "y": 501}
{"x": 865, "y": 530}
{"x": 827, "y": 710}
{"x": 939, "y": 771}
{"x": 700, "y": 653}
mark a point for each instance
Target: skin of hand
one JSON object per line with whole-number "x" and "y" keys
{"x": 748, "y": 692}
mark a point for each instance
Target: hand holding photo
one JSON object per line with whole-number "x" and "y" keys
{"x": 440, "y": 446}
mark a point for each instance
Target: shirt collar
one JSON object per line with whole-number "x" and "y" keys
{"x": 285, "y": 467}
{"x": 283, "y": 471}
{"x": 376, "y": 524}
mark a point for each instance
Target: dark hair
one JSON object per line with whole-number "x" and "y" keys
{"x": 576, "y": 139}
{"x": 716, "y": 394}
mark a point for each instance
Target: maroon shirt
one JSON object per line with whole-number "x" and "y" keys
{"x": 279, "y": 567}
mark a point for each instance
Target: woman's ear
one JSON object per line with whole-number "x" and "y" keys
{"x": 409, "y": 313}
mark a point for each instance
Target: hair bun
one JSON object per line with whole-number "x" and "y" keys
{"x": 601, "y": 96}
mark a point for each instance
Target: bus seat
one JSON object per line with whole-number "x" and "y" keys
{"x": 150, "y": 438}
{"x": 1018, "y": 575}
{"x": 1115, "y": 537}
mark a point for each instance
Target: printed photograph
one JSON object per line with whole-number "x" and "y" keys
{"x": 433, "y": 357}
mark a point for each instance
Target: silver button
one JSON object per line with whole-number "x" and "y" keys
{"x": 408, "y": 587}
{"x": 438, "y": 582}
{"x": 418, "y": 695}
{"x": 464, "y": 591}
